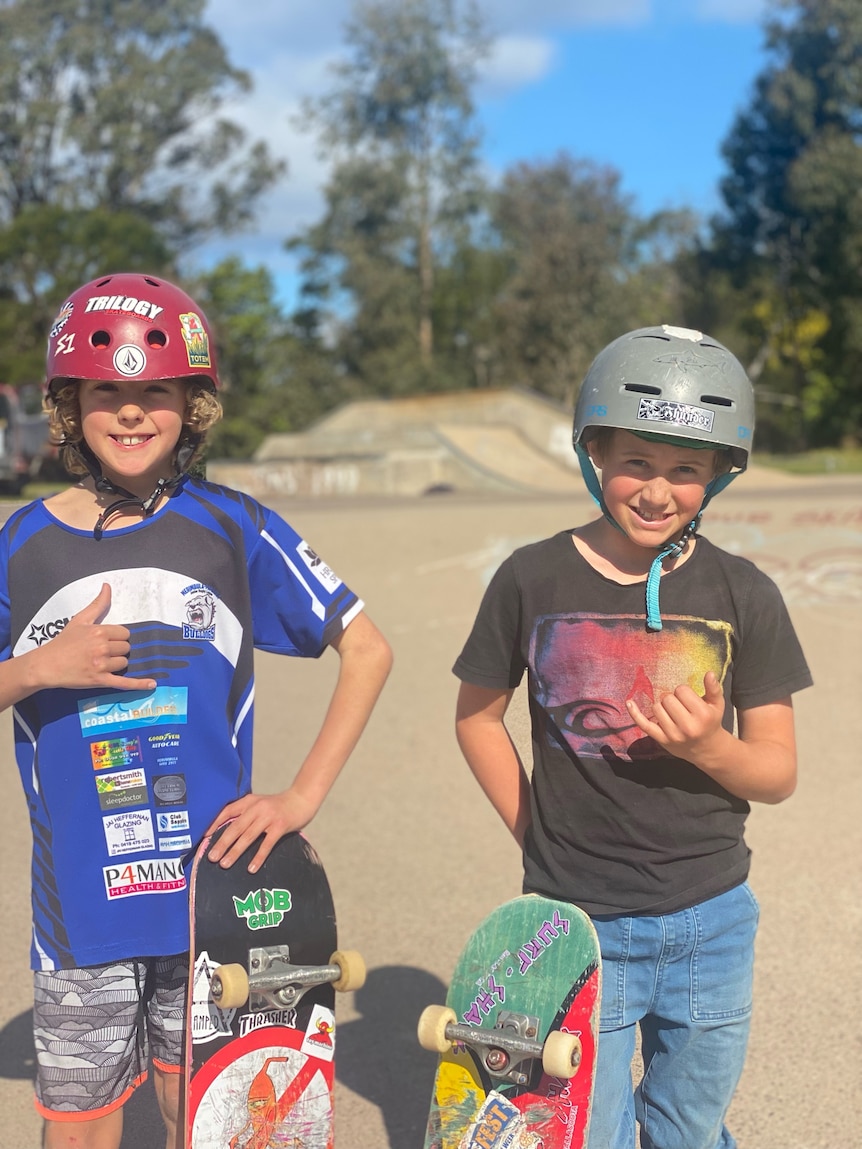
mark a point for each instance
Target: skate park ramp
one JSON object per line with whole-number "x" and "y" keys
{"x": 510, "y": 441}
{"x": 503, "y": 442}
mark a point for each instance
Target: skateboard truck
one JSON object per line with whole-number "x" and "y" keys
{"x": 503, "y": 1049}
{"x": 272, "y": 982}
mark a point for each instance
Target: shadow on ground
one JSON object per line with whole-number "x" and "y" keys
{"x": 379, "y": 1058}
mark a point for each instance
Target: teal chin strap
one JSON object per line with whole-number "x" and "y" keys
{"x": 653, "y": 611}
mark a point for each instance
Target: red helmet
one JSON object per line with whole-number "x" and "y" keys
{"x": 131, "y": 326}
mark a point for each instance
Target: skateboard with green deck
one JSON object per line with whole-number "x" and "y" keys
{"x": 517, "y": 1036}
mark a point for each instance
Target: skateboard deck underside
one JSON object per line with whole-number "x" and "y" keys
{"x": 533, "y": 957}
{"x": 260, "y": 1079}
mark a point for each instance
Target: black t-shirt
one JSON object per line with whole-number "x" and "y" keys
{"x": 618, "y": 825}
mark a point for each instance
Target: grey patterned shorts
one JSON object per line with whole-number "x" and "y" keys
{"x": 96, "y": 1028}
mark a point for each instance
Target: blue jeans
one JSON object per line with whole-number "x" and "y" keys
{"x": 686, "y": 980}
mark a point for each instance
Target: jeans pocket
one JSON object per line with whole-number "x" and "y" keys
{"x": 722, "y": 962}
{"x": 615, "y": 936}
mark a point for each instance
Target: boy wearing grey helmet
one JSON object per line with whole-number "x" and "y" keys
{"x": 660, "y": 675}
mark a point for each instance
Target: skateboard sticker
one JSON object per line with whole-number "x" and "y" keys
{"x": 499, "y": 1125}
{"x": 268, "y": 1094}
{"x": 320, "y": 1035}
{"x": 208, "y": 1021}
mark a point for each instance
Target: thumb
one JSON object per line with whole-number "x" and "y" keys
{"x": 712, "y": 687}
{"x": 95, "y": 610}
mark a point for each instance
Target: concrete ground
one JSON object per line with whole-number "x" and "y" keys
{"x": 416, "y": 857}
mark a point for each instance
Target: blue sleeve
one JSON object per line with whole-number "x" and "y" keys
{"x": 298, "y": 603}
{"x": 5, "y": 604}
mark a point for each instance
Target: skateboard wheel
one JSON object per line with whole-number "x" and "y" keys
{"x": 431, "y": 1030}
{"x": 352, "y": 968}
{"x": 561, "y": 1054}
{"x": 229, "y": 986}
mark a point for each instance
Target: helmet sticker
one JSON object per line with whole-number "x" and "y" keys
{"x": 129, "y": 304}
{"x": 678, "y": 414}
{"x": 196, "y": 340}
{"x": 129, "y": 360}
{"x": 62, "y": 319}
{"x": 682, "y": 332}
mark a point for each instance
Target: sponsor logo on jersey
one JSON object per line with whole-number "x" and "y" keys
{"x": 172, "y": 820}
{"x": 199, "y": 609}
{"x": 176, "y": 842}
{"x": 196, "y": 340}
{"x": 263, "y": 909}
{"x": 121, "y": 789}
{"x": 116, "y": 711}
{"x": 148, "y": 876}
{"x": 129, "y": 833}
{"x": 130, "y": 304}
{"x": 115, "y": 752}
{"x": 324, "y": 574}
{"x": 121, "y": 799}
{"x": 44, "y": 631}
{"x": 169, "y": 789}
{"x": 121, "y": 780}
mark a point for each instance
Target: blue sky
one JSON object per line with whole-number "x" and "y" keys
{"x": 650, "y": 87}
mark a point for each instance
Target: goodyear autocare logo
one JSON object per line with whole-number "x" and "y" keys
{"x": 263, "y": 909}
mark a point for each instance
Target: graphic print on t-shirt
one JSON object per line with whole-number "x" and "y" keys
{"x": 588, "y": 665}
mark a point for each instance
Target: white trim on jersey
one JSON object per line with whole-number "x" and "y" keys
{"x": 31, "y": 738}
{"x": 316, "y": 605}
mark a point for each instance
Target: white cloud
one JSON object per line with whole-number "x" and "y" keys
{"x": 514, "y": 62}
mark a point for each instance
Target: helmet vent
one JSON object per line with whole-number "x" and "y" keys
{"x": 717, "y": 400}
{"x": 642, "y": 389}
{"x": 100, "y": 339}
{"x": 151, "y": 282}
{"x": 156, "y": 338}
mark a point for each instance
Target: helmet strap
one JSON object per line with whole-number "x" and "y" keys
{"x": 104, "y": 485}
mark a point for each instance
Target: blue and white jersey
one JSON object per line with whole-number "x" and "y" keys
{"x": 121, "y": 785}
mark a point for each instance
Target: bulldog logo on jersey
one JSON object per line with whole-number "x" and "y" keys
{"x": 199, "y": 613}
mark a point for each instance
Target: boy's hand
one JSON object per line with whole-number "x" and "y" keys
{"x": 90, "y": 653}
{"x": 683, "y": 723}
{"x": 272, "y": 815}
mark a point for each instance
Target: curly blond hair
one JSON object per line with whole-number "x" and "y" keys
{"x": 203, "y": 411}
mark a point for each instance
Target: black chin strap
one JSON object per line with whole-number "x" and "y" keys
{"x": 127, "y": 499}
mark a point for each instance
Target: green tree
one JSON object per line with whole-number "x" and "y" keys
{"x": 582, "y": 268}
{"x": 273, "y": 379}
{"x": 114, "y": 104}
{"x": 112, "y": 152}
{"x": 399, "y": 128}
{"x": 792, "y": 227}
{"x": 47, "y": 251}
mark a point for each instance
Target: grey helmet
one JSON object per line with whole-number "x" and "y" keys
{"x": 667, "y": 383}
{"x": 671, "y": 382}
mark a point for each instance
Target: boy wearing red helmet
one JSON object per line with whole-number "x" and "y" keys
{"x": 641, "y": 781}
{"x": 130, "y": 608}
